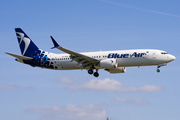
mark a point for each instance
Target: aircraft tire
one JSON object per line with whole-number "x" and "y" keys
{"x": 158, "y": 70}
{"x": 90, "y": 71}
{"x": 96, "y": 74}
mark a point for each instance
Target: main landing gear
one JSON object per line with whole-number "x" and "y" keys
{"x": 90, "y": 71}
{"x": 96, "y": 74}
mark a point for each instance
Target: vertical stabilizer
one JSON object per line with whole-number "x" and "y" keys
{"x": 27, "y": 46}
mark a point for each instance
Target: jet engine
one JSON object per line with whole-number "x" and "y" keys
{"x": 108, "y": 63}
{"x": 117, "y": 70}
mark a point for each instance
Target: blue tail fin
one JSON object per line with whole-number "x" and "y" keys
{"x": 27, "y": 46}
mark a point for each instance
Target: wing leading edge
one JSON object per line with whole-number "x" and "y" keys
{"x": 84, "y": 60}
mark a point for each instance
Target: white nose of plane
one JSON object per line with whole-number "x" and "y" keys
{"x": 171, "y": 57}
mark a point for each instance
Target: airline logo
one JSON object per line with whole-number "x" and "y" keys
{"x": 116, "y": 55}
{"x": 25, "y": 40}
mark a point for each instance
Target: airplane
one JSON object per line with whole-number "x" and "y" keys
{"x": 112, "y": 61}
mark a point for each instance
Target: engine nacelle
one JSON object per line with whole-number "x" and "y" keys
{"x": 117, "y": 70}
{"x": 108, "y": 63}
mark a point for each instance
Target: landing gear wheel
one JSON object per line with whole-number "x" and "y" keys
{"x": 90, "y": 71}
{"x": 96, "y": 74}
{"x": 158, "y": 70}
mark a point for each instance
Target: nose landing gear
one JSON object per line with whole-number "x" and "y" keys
{"x": 158, "y": 70}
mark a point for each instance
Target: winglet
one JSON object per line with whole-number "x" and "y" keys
{"x": 55, "y": 43}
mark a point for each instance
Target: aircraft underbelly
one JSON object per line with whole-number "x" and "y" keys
{"x": 67, "y": 65}
{"x": 126, "y": 62}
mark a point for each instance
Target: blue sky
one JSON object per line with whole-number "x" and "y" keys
{"x": 82, "y": 26}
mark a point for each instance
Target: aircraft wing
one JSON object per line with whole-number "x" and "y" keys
{"x": 19, "y": 56}
{"x": 86, "y": 61}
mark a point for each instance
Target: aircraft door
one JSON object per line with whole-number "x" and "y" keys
{"x": 154, "y": 55}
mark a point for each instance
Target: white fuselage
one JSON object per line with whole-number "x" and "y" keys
{"x": 125, "y": 58}
{"x": 112, "y": 61}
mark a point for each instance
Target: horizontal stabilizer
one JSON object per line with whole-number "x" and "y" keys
{"x": 19, "y": 56}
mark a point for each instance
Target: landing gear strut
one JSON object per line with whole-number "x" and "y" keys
{"x": 158, "y": 70}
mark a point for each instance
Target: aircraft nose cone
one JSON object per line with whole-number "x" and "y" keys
{"x": 172, "y": 57}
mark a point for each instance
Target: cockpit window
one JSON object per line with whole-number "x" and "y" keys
{"x": 164, "y": 53}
